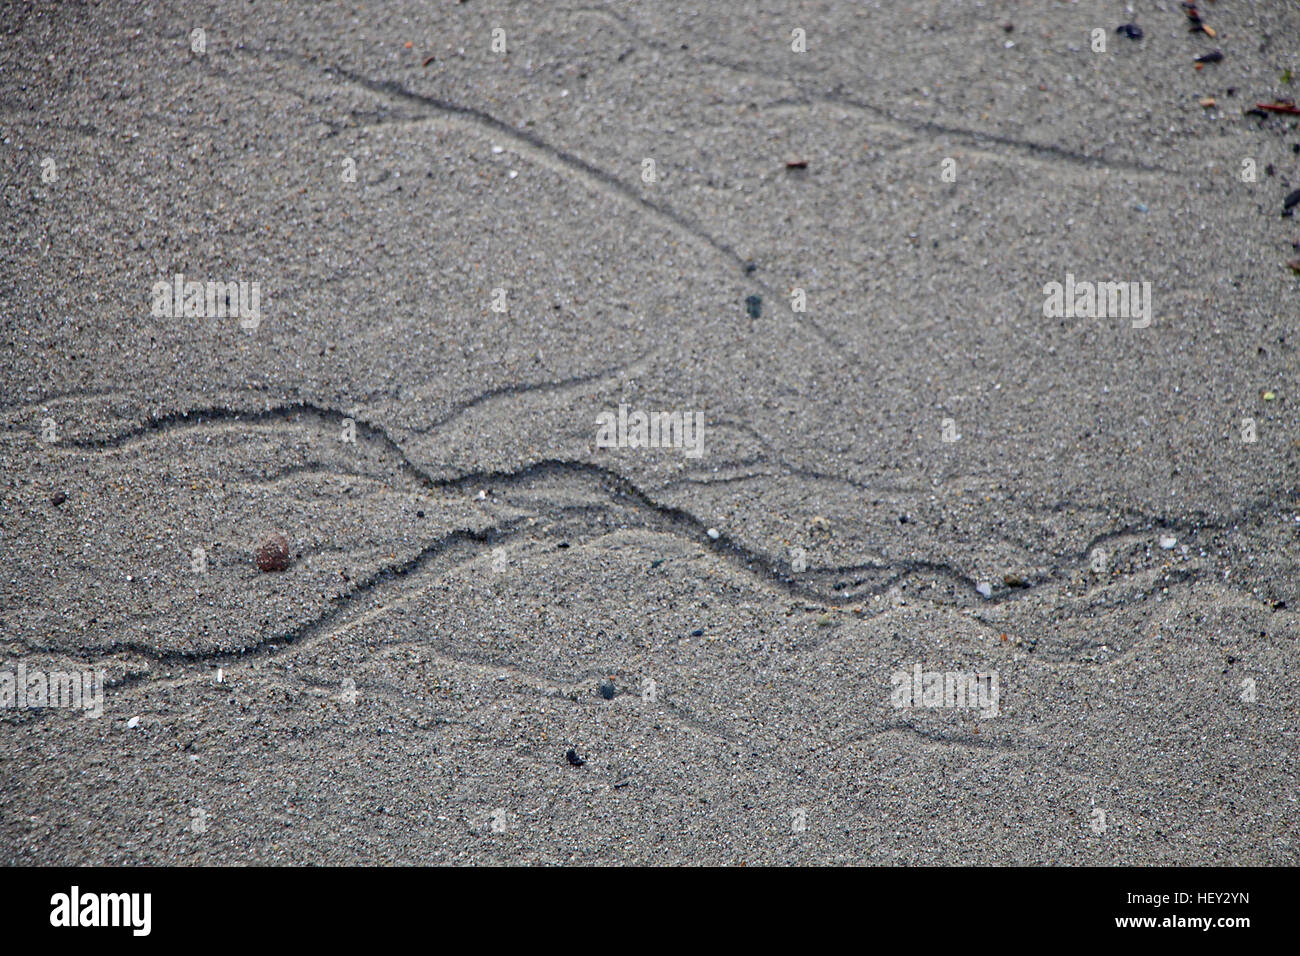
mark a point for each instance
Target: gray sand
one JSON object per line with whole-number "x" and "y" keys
{"x": 472, "y": 565}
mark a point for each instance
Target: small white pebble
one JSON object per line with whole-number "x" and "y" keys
{"x": 714, "y": 533}
{"x": 133, "y": 723}
{"x": 1167, "y": 541}
{"x": 985, "y": 589}
{"x": 497, "y": 149}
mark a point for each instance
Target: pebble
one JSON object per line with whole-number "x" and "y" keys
{"x": 985, "y": 589}
{"x": 754, "y": 306}
{"x": 133, "y": 723}
{"x": 714, "y": 533}
{"x": 1167, "y": 541}
{"x": 607, "y": 690}
{"x": 58, "y": 498}
{"x": 573, "y": 758}
{"x": 273, "y": 553}
{"x": 1130, "y": 30}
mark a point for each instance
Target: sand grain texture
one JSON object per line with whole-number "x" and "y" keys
{"x": 467, "y": 567}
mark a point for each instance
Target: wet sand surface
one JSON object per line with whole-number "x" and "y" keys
{"x": 836, "y": 257}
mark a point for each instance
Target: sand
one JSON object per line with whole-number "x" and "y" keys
{"x": 837, "y": 258}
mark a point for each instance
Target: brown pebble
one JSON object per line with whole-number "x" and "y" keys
{"x": 58, "y": 498}
{"x": 273, "y": 553}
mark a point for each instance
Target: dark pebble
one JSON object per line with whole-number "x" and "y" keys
{"x": 1130, "y": 30}
{"x": 1292, "y": 200}
{"x": 607, "y": 690}
{"x": 273, "y": 553}
{"x": 751, "y": 268}
{"x": 58, "y": 498}
{"x": 754, "y": 306}
{"x": 419, "y": 514}
{"x": 573, "y": 758}
{"x": 1214, "y": 57}
{"x": 698, "y": 632}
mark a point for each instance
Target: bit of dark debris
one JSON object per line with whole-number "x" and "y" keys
{"x": 1291, "y": 201}
{"x": 1279, "y": 106}
{"x": 1194, "y": 18}
{"x": 562, "y": 545}
{"x": 1215, "y": 56}
{"x": 1130, "y": 30}
{"x": 573, "y": 758}
{"x": 273, "y": 553}
{"x": 607, "y": 690}
{"x": 698, "y": 632}
{"x": 796, "y": 164}
{"x": 751, "y": 268}
{"x": 1008, "y": 27}
{"x": 754, "y": 306}
{"x": 1014, "y": 581}
{"x": 58, "y": 498}
{"x": 419, "y": 514}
